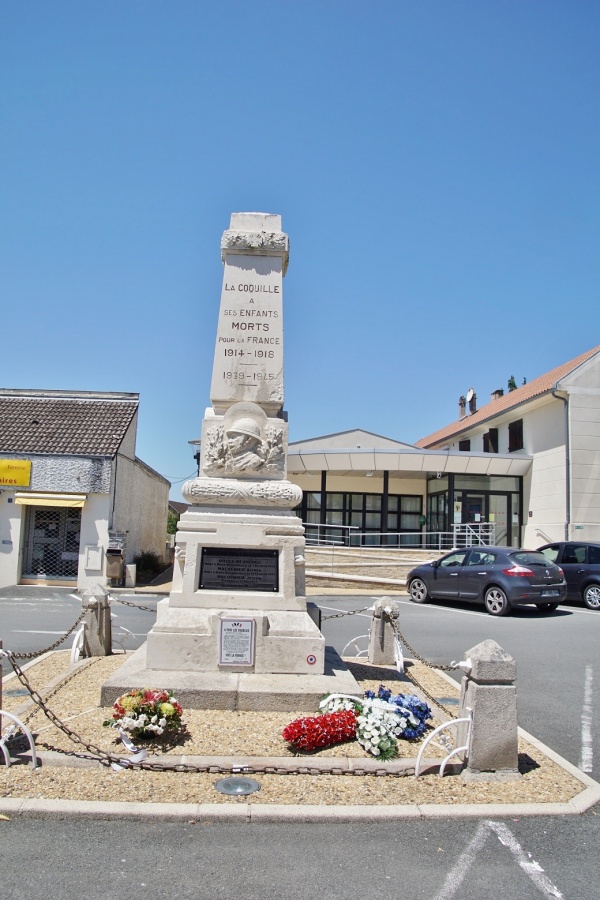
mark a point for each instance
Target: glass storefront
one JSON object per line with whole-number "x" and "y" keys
{"x": 471, "y": 505}
{"x": 460, "y": 508}
{"x": 392, "y": 520}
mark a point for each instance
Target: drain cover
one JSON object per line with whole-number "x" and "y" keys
{"x": 237, "y": 786}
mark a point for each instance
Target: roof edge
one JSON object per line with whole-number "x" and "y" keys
{"x": 140, "y": 462}
{"x": 41, "y": 394}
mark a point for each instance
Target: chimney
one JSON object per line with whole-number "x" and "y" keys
{"x": 462, "y": 407}
{"x": 497, "y": 394}
{"x": 472, "y": 401}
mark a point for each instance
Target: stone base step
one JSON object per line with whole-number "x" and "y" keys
{"x": 234, "y": 691}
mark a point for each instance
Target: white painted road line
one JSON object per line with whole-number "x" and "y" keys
{"x": 478, "y": 611}
{"x": 531, "y": 868}
{"x": 586, "y": 762}
{"x": 27, "y": 631}
{"x": 463, "y": 612}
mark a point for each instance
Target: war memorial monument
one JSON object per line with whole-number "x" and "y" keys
{"x": 235, "y": 632}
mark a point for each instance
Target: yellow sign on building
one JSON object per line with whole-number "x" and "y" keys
{"x": 15, "y": 472}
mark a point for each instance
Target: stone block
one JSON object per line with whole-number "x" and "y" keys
{"x": 494, "y": 729}
{"x": 491, "y": 664}
{"x": 382, "y": 635}
{"x": 232, "y": 690}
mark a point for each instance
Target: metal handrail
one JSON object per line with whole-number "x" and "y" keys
{"x": 432, "y": 540}
{"x": 462, "y": 535}
{"x": 468, "y": 533}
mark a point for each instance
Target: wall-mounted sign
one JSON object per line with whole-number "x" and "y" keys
{"x": 224, "y": 568}
{"x": 15, "y": 472}
{"x": 237, "y": 642}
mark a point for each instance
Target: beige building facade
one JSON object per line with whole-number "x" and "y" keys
{"x": 73, "y": 493}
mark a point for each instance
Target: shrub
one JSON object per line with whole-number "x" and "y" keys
{"x": 148, "y": 565}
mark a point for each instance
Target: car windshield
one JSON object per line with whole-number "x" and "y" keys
{"x": 528, "y": 558}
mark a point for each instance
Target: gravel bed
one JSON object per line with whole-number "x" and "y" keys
{"x": 222, "y": 733}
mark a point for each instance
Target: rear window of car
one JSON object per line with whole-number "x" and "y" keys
{"x": 528, "y": 558}
{"x": 594, "y": 557}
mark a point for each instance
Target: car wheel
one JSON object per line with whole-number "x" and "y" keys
{"x": 496, "y": 602}
{"x": 547, "y": 607}
{"x": 418, "y": 591}
{"x": 591, "y": 596}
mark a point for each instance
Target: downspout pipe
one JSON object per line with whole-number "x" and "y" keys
{"x": 565, "y": 400}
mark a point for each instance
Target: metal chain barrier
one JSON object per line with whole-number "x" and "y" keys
{"x": 90, "y": 662}
{"x": 352, "y": 612}
{"x": 417, "y": 684}
{"x": 411, "y": 650}
{"x": 109, "y": 759}
{"x": 34, "y": 654}
{"x": 415, "y": 655}
{"x": 133, "y": 605}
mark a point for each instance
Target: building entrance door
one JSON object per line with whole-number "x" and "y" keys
{"x": 51, "y": 550}
{"x": 473, "y": 509}
{"x": 491, "y": 510}
{"x": 499, "y": 516}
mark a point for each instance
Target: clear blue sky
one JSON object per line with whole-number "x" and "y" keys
{"x": 436, "y": 165}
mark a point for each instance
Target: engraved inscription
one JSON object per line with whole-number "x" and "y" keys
{"x": 223, "y": 569}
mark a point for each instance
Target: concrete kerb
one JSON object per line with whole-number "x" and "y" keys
{"x": 241, "y": 811}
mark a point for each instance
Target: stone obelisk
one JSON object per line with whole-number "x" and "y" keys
{"x": 235, "y": 631}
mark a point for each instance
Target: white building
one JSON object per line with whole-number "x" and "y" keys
{"x": 555, "y": 421}
{"x": 525, "y": 465}
{"x": 71, "y": 484}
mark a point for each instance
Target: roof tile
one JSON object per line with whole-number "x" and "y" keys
{"x": 528, "y": 391}
{"x": 78, "y": 426}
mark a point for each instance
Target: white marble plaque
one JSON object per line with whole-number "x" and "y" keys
{"x": 237, "y": 642}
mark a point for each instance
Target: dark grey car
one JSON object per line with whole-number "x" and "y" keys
{"x": 581, "y": 564}
{"x": 498, "y": 577}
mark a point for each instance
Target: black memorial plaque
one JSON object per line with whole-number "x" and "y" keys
{"x": 225, "y": 569}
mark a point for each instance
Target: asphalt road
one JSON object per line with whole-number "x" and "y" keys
{"x": 439, "y": 860}
{"x": 557, "y": 659}
{"x": 32, "y": 618}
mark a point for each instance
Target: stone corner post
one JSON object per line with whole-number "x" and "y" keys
{"x": 382, "y": 636}
{"x": 98, "y": 627}
{"x": 489, "y": 691}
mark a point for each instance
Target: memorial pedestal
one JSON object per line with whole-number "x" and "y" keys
{"x": 192, "y": 648}
{"x": 234, "y": 690}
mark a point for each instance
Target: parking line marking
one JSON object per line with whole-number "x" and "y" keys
{"x": 480, "y": 611}
{"x": 586, "y": 762}
{"x": 27, "y": 631}
{"x": 531, "y": 868}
